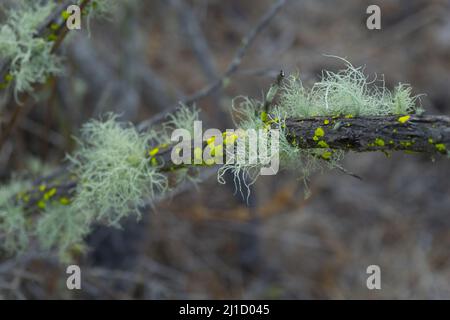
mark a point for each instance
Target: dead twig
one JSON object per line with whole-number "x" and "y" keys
{"x": 219, "y": 83}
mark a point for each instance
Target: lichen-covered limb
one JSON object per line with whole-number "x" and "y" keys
{"x": 425, "y": 134}
{"x": 43, "y": 39}
{"x": 411, "y": 133}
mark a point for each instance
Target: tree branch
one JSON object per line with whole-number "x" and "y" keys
{"x": 426, "y": 134}
{"x": 410, "y": 133}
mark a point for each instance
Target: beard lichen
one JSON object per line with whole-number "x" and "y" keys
{"x": 114, "y": 173}
{"x": 30, "y": 58}
{"x": 14, "y": 233}
{"x": 348, "y": 93}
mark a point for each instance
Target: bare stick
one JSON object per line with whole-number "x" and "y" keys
{"x": 247, "y": 41}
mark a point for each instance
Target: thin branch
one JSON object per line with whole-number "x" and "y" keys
{"x": 196, "y": 38}
{"x": 246, "y": 43}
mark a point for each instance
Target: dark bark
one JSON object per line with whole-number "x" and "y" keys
{"x": 427, "y": 134}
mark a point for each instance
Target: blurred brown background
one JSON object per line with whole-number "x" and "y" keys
{"x": 206, "y": 242}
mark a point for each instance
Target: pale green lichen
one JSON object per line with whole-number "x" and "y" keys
{"x": 14, "y": 236}
{"x": 183, "y": 118}
{"x": 115, "y": 178}
{"x": 115, "y": 175}
{"x": 238, "y": 160}
{"x": 346, "y": 92}
{"x": 63, "y": 228}
{"x": 31, "y": 59}
{"x": 404, "y": 101}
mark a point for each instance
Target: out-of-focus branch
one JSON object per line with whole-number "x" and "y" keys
{"x": 247, "y": 41}
{"x": 196, "y": 38}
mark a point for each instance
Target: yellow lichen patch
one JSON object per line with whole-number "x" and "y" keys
{"x": 406, "y": 144}
{"x": 64, "y": 201}
{"x": 294, "y": 142}
{"x": 49, "y": 193}
{"x": 65, "y": 15}
{"x": 274, "y": 120}
{"x": 42, "y": 187}
{"x": 41, "y": 204}
{"x": 153, "y": 152}
{"x": 8, "y": 78}
{"x": 230, "y": 137}
{"x": 440, "y": 147}
{"x": 322, "y": 144}
{"x": 349, "y": 116}
{"x": 5, "y": 84}
{"x": 211, "y": 140}
{"x": 77, "y": 249}
{"x": 379, "y": 142}
{"x": 264, "y": 116}
{"x": 319, "y": 132}
{"x": 403, "y": 119}
{"x": 52, "y": 37}
{"x": 326, "y": 121}
{"x": 327, "y": 155}
{"x": 154, "y": 162}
